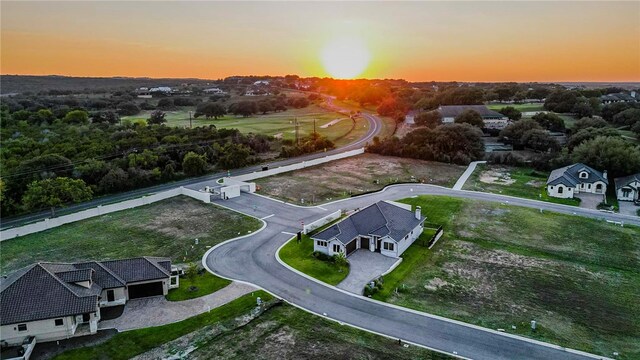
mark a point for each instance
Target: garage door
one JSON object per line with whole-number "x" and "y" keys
{"x": 144, "y": 290}
{"x": 351, "y": 247}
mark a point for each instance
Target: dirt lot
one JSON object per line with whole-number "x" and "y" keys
{"x": 355, "y": 175}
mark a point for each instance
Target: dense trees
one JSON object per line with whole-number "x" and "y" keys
{"x": 511, "y": 112}
{"x": 76, "y": 117}
{"x": 513, "y": 133}
{"x": 194, "y": 164}
{"x": 471, "y": 117}
{"x": 457, "y": 143}
{"x": 128, "y": 109}
{"x": 430, "y": 119}
{"x": 210, "y": 110}
{"x": 55, "y": 192}
{"x": 628, "y": 117}
{"x": 614, "y": 154}
{"x": 549, "y": 121}
{"x": 539, "y": 140}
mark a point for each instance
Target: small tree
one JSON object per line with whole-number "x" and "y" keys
{"x": 191, "y": 272}
{"x": 55, "y": 192}
{"x": 430, "y": 119}
{"x": 511, "y": 112}
{"x": 470, "y": 117}
{"x": 210, "y": 110}
{"x": 157, "y": 117}
{"x": 194, "y": 164}
{"x": 340, "y": 259}
{"x": 76, "y": 117}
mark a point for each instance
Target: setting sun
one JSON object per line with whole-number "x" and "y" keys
{"x": 345, "y": 58}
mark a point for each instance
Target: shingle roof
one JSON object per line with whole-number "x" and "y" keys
{"x": 626, "y": 180}
{"x": 380, "y": 219}
{"x": 38, "y": 294}
{"x": 455, "y": 110}
{"x": 137, "y": 269}
{"x": 49, "y": 290}
{"x": 568, "y": 175}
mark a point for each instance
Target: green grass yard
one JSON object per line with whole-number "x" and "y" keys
{"x": 513, "y": 181}
{"x": 520, "y": 107}
{"x": 298, "y": 256}
{"x": 166, "y": 228}
{"x": 204, "y": 284}
{"x": 500, "y": 266}
{"x": 279, "y": 124}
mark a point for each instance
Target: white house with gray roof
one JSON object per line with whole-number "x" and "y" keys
{"x": 578, "y": 178}
{"x": 385, "y": 227}
{"x": 54, "y": 301}
{"x": 628, "y": 187}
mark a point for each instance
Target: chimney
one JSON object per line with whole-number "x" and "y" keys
{"x": 604, "y": 174}
{"x": 418, "y": 215}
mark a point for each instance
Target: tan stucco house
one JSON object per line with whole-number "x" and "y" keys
{"x": 54, "y": 301}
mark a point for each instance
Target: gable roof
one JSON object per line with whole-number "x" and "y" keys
{"x": 569, "y": 175}
{"x": 379, "y": 219}
{"x": 138, "y": 269}
{"x": 50, "y": 290}
{"x": 455, "y": 110}
{"x": 626, "y": 180}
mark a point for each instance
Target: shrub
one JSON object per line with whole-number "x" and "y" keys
{"x": 322, "y": 256}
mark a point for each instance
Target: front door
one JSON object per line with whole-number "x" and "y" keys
{"x": 111, "y": 296}
{"x": 364, "y": 243}
{"x": 86, "y": 318}
{"x": 378, "y": 245}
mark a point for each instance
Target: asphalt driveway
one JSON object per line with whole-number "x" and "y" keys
{"x": 364, "y": 266}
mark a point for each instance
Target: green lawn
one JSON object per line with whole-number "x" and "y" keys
{"x": 166, "y": 228}
{"x": 205, "y": 284}
{"x": 500, "y": 266}
{"x": 131, "y": 343}
{"x": 520, "y": 107}
{"x": 298, "y": 256}
{"x": 528, "y": 183}
{"x": 281, "y": 123}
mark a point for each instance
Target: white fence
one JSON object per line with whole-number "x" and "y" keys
{"x": 297, "y": 166}
{"x": 320, "y": 222}
{"x": 47, "y": 224}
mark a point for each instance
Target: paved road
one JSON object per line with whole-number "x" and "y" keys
{"x": 375, "y": 126}
{"x": 253, "y": 260}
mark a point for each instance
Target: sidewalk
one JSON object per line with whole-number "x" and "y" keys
{"x": 460, "y": 183}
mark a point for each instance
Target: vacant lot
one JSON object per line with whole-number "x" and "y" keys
{"x": 355, "y": 175}
{"x": 166, "y": 228}
{"x": 285, "y": 332}
{"x": 519, "y": 182}
{"x": 502, "y": 266}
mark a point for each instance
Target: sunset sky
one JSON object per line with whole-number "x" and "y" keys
{"x": 417, "y": 41}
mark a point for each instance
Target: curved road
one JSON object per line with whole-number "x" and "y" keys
{"x": 253, "y": 259}
{"x": 375, "y": 126}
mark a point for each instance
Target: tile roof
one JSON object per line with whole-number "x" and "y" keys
{"x": 50, "y": 290}
{"x": 379, "y": 219}
{"x": 455, "y": 110}
{"x": 626, "y": 180}
{"x": 568, "y": 175}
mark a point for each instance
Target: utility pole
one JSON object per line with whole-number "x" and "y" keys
{"x": 297, "y": 132}
{"x": 314, "y": 128}
{"x": 190, "y": 127}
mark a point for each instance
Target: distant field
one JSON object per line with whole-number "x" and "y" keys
{"x": 166, "y": 228}
{"x": 501, "y": 266}
{"x": 355, "y": 175}
{"x": 514, "y": 181}
{"x": 520, "y": 107}
{"x": 276, "y": 124}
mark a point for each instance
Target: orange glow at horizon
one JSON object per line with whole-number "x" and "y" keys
{"x": 481, "y": 41}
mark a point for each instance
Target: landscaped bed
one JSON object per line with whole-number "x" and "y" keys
{"x": 501, "y": 266}
{"x": 513, "y": 181}
{"x": 167, "y": 228}
{"x": 299, "y": 255}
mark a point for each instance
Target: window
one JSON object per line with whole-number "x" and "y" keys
{"x": 59, "y": 322}
{"x": 336, "y": 248}
{"x": 589, "y": 186}
{"x": 560, "y": 189}
{"x": 583, "y": 175}
{"x": 321, "y": 243}
{"x": 389, "y": 246}
{"x": 22, "y": 327}
{"x": 626, "y": 192}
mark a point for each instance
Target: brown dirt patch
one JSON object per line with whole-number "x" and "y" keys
{"x": 496, "y": 176}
